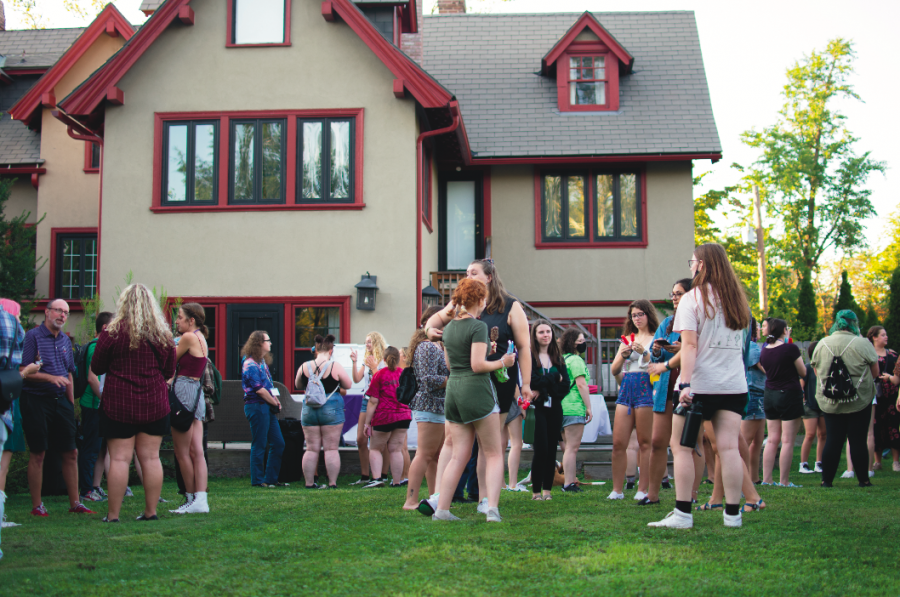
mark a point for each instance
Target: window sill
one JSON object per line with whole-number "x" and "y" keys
{"x": 593, "y": 245}
{"x": 92, "y": 170}
{"x": 169, "y": 209}
{"x": 274, "y": 45}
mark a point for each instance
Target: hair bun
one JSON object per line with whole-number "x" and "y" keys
{"x": 319, "y": 339}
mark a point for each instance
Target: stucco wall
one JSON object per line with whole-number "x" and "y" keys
{"x": 68, "y": 195}
{"x": 593, "y": 274}
{"x": 22, "y": 198}
{"x": 286, "y": 253}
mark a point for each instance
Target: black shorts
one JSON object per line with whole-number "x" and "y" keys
{"x": 506, "y": 391}
{"x": 391, "y": 426}
{"x": 713, "y": 403}
{"x": 48, "y": 422}
{"x": 110, "y": 429}
{"x": 784, "y": 405}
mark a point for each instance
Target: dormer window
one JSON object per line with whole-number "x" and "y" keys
{"x": 259, "y": 23}
{"x": 587, "y": 80}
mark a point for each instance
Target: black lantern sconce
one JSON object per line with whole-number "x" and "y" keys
{"x": 431, "y": 297}
{"x": 365, "y": 292}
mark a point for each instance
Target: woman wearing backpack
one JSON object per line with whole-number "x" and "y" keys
{"x": 386, "y": 421}
{"x": 322, "y": 418}
{"x": 846, "y": 403}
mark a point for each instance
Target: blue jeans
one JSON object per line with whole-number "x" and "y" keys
{"x": 90, "y": 448}
{"x": 3, "y": 435}
{"x": 265, "y": 430}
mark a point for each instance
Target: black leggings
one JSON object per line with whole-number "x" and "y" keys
{"x": 547, "y": 426}
{"x": 853, "y": 427}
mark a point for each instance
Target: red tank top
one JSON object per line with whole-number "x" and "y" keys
{"x": 191, "y": 366}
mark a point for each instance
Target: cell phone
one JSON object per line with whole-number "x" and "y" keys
{"x": 662, "y": 342}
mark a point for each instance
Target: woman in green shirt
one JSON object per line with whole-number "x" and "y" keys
{"x": 470, "y": 398}
{"x": 576, "y": 406}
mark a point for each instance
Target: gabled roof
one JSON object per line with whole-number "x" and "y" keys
{"x": 35, "y": 48}
{"x": 587, "y": 21}
{"x": 18, "y": 144}
{"x": 110, "y": 20}
{"x": 83, "y": 103}
{"x": 490, "y": 63}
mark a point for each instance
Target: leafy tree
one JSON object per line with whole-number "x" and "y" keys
{"x": 892, "y": 323}
{"x": 868, "y": 319}
{"x": 18, "y": 264}
{"x": 807, "y": 326}
{"x": 845, "y": 298}
{"x": 37, "y": 19}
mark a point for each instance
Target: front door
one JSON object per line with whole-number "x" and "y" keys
{"x": 245, "y": 319}
{"x": 460, "y": 220}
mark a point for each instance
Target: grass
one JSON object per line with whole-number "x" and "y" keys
{"x": 290, "y": 541}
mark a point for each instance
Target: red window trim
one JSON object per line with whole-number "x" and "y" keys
{"x": 539, "y": 243}
{"x": 229, "y": 43}
{"x": 290, "y": 160}
{"x": 54, "y": 233}
{"x": 427, "y": 199}
{"x": 288, "y": 337}
{"x": 577, "y": 49}
{"x": 88, "y": 167}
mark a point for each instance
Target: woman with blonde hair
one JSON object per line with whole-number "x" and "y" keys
{"x": 373, "y": 360}
{"x": 137, "y": 354}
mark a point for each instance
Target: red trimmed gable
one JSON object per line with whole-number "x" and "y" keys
{"x": 110, "y": 22}
{"x": 617, "y": 61}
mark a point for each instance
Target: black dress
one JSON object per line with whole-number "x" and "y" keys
{"x": 505, "y": 391}
{"x": 887, "y": 419}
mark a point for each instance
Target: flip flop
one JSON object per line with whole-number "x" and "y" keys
{"x": 707, "y": 506}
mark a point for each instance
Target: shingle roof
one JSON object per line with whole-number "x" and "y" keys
{"x": 35, "y": 48}
{"x": 19, "y": 145}
{"x": 490, "y": 62}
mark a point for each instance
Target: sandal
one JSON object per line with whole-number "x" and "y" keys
{"x": 536, "y": 497}
{"x": 547, "y": 498}
{"x": 760, "y": 505}
{"x": 707, "y": 506}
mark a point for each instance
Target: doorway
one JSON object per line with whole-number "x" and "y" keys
{"x": 244, "y": 320}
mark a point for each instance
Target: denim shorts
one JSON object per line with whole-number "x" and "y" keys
{"x": 572, "y": 420}
{"x": 364, "y": 404}
{"x": 423, "y": 416}
{"x": 330, "y": 413}
{"x": 755, "y": 408}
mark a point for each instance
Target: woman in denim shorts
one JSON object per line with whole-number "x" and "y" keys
{"x": 576, "y": 406}
{"x": 753, "y": 425}
{"x": 373, "y": 361}
{"x": 323, "y": 425}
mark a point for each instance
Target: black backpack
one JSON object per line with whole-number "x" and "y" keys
{"x": 408, "y": 387}
{"x": 838, "y": 385}
{"x": 81, "y": 368}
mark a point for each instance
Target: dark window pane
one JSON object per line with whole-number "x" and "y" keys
{"x": 629, "y": 204}
{"x": 340, "y": 160}
{"x": 244, "y": 142}
{"x": 272, "y": 160}
{"x": 606, "y": 217}
{"x": 312, "y": 160}
{"x": 95, "y": 155}
{"x": 176, "y": 189}
{"x": 576, "y": 206}
{"x": 204, "y": 162}
{"x": 310, "y": 321}
{"x": 552, "y": 207}
{"x": 77, "y": 266}
{"x": 210, "y": 322}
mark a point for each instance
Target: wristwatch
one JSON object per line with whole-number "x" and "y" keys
{"x": 682, "y": 386}
{"x": 667, "y": 366}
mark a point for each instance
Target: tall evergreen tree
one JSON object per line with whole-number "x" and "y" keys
{"x": 18, "y": 266}
{"x": 845, "y": 299}
{"x": 892, "y": 323}
{"x": 807, "y": 327}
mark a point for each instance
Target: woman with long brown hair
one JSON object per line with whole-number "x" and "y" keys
{"x": 550, "y": 383}
{"x": 634, "y": 404}
{"x": 711, "y": 319}
{"x": 261, "y": 407}
{"x": 373, "y": 361}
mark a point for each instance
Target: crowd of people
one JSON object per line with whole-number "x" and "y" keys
{"x": 477, "y": 368}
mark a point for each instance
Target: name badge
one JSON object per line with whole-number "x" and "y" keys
{"x": 275, "y": 392}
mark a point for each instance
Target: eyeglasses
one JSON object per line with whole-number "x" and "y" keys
{"x": 637, "y": 314}
{"x": 267, "y": 340}
{"x": 60, "y": 311}
{"x": 673, "y": 295}
{"x": 691, "y": 262}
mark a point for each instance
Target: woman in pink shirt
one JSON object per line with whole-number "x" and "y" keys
{"x": 386, "y": 420}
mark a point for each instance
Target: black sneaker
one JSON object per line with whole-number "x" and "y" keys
{"x": 106, "y": 519}
{"x": 145, "y": 517}
{"x": 666, "y": 483}
{"x": 645, "y": 501}
{"x": 313, "y": 486}
{"x": 332, "y": 487}
{"x": 280, "y": 485}
{"x": 572, "y": 488}
{"x": 629, "y": 485}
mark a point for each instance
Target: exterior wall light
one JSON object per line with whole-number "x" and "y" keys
{"x": 365, "y": 292}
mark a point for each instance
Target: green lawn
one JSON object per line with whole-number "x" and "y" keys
{"x": 289, "y": 541}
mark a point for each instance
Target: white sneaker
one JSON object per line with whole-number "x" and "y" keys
{"x": 482, "y": 506}
{"x": 871, "y": 473}
{"x": 848, "y": 475}
{"x": 804, "y": 468}
{"x": 199, "y": 505}
{"x": 676, "y": 519}
{"x": 188, "y": 498}
{"x": 640, "y": 495}
{"x": 493, "y": 515}
{"x": 733, "y": 521}
{"x": 818, "y": 468}
{"x": 8, "y": 525}
{"x": 443, "y": 515}
{"x": 615, "y": 496}
{"x": 128, "y": 492}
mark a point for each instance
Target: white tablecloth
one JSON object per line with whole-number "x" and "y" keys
{"x": 599, "y": 425}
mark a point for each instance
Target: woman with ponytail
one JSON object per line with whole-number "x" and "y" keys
{"x": 191, "y": 355}
{"x": 782, "y": 399}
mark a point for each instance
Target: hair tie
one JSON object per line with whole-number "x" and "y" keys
{"x": 462, "y": 309}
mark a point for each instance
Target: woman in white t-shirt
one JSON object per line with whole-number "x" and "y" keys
{"x": 711, "y": 319}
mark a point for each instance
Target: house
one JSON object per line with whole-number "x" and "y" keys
{"x": 263, "y": 156}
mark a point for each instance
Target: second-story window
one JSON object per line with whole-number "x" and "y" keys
{"x": 257, "y": 161}
{"x": 189, "y": 165}
{"x": 326, "y": 160}
{"x": 587, "y": 80}
{"x": 258, "y": 22}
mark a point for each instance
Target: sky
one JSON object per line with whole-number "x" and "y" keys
{"x": 747, "y": 48}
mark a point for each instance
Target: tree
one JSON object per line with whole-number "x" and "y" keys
{"x": 845, "y": 299}
{"x": 18, "y": 264}
{"x": 868, "y": 319}
{"x": 807, "y": 326}
{"x": 815, "y": 177}
{"x": 36, "y": 19}
{"x": 892, "y": 323}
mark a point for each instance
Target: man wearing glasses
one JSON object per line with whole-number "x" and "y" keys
{"x": 48, "y": 405}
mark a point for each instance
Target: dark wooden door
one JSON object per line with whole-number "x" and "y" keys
{"x": 244, "y": 320}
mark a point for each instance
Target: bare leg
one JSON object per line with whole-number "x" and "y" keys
{"x": 789, "y": 434}
{"x": 70, "y": 475}
{"x": 102, "y": 465}
{"x": 728, "y": 428}
{"x": 182, "y": 443}
{"x": 35, "y": 476}
{"x": 147, "y": 448}
{"x": 137, "y": 467}
{"x": 431, "y": 438}
{"x": 771, "y": 449}
{"x": 659, "y": 450}
{"x": 120, "y": 454}
{"x": 4, "y": 468}
{"x": 573, "y": 435}
{"x": 622, "y": 427}
{"x": 643, "y": 418}
{"x": 488, "y": 432}
{"x": 462, "y": 436}
{"x": 201, "y": 474}
{"x": 684, "y": 462}
{"x": 514, "y": 459}
{"x": 823, "y": 436}
{"x": 443, "y": 460}
{"x": 754, "y": 433}
{"x": 376, "y": 462}
{"x": 331, "y": 439}
{"x": 396, "y": 449}
{"x": 406, "y": 464}
{"x": 362, "y": 445}
{"x": 633, "y": 450}
{"x": 809, "y": 426}
{"x": 311, "y": 456}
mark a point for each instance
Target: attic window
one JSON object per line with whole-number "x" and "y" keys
{"x": 587, "y": 80}
{"x": 258, "y": 23}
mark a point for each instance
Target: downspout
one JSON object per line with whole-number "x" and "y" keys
{"x": 420, "y": 157}
{"x": 88, "y": 136}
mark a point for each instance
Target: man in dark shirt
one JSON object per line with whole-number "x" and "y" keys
{"x": 48, "y": 405}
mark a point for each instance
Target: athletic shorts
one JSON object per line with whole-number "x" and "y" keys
{"x": 404, "y": 424}
{"x": 713, "y": 403}
{"x": 784, "y": 405}
{"x": 48, "y": 422}
{"x": 515, "y": 411}
{"x": 110, "y": 429}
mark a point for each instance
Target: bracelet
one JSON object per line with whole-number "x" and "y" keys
{"x": 682, "y": 386}
{"x": 667, "y": 366}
